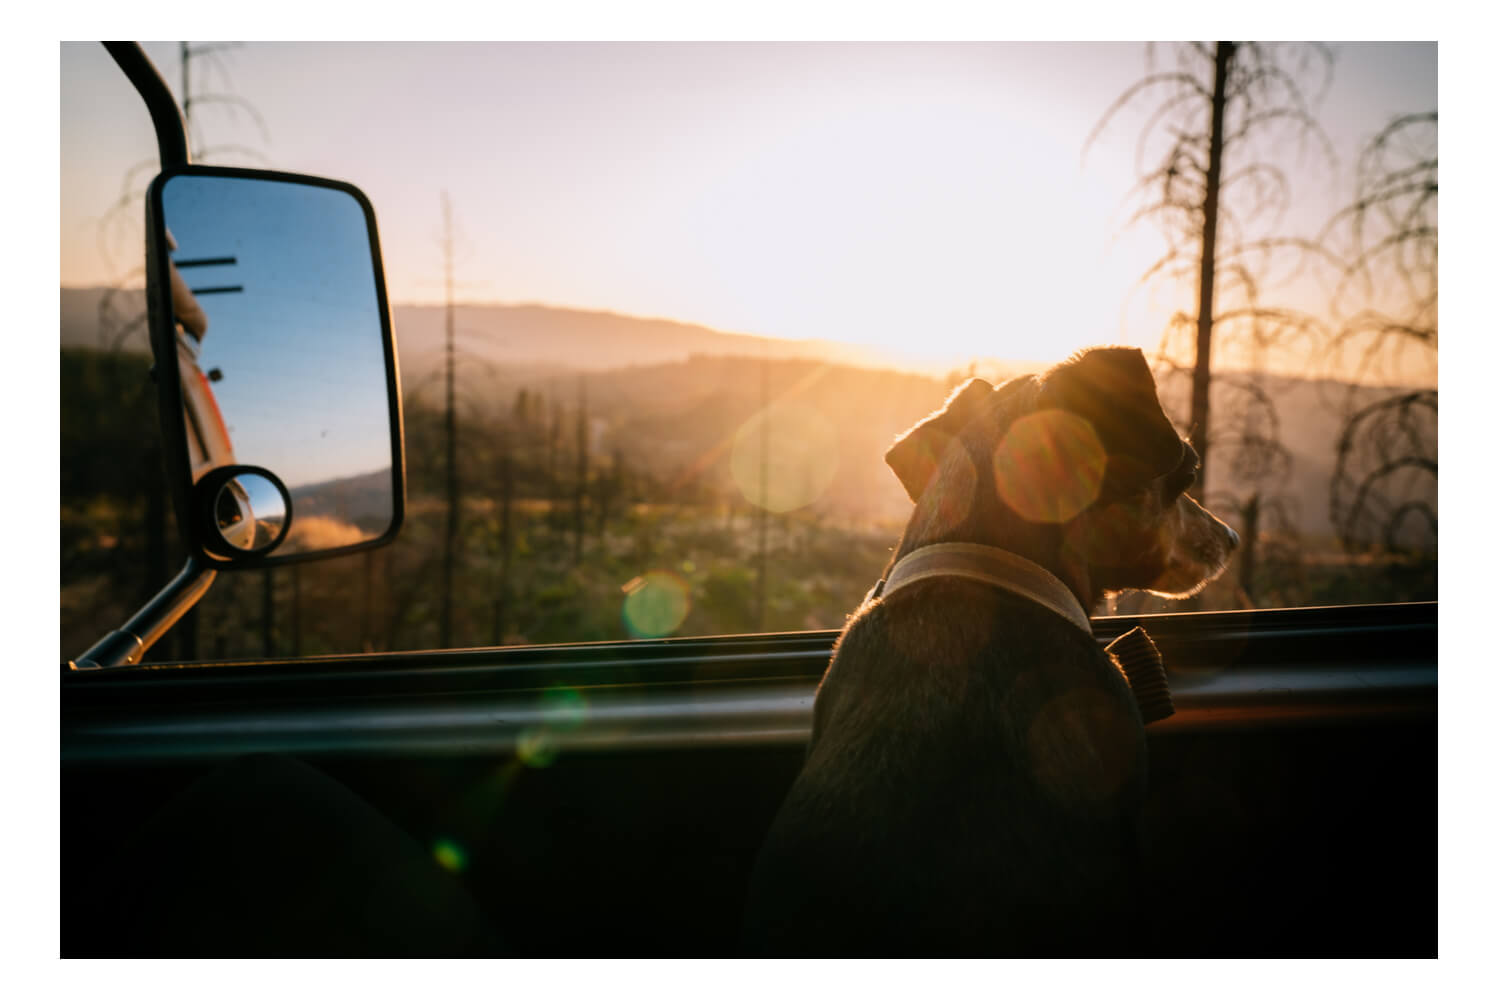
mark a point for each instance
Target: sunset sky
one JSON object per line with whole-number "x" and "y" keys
{"x": 930, "y": 201}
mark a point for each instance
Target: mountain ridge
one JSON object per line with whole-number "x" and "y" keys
{"x": 529, "y": 333}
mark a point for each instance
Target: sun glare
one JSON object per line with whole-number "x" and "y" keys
{"x": 928, "y": 204}
{"x": 1049, "y": 466}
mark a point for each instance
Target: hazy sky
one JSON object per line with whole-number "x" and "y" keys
{"x": 930, "y": 200}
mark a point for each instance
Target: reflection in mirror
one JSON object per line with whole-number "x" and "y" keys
{"x": 249, "y": 512}
{"x": 281, "y": 350}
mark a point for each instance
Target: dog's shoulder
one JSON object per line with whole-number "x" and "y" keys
{"x": 976, "y": 673}
{"x": 949, "y": 631}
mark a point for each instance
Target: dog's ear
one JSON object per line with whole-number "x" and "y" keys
{"x": 1112, "y": 388}
{"x": 916, "y": 453}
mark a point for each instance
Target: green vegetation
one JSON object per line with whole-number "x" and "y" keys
{"x": 114, "y": 519}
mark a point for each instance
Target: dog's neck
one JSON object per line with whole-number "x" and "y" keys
{"x": 955, "y": 508}
{"x": 992, "y": 566}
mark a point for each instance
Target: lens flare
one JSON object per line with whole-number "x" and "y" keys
{"x": 1083, "y": 749}
{"x": 449, "y": 854}
{"x": 785, "y": 456}
{"x": 563, "y": 708}
{"x": 536, "y": 747}
{"x": 1049, "y": 467}
{"x": 655, "y": 604}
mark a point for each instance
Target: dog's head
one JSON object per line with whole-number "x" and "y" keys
{"x": 1077, "y": 469}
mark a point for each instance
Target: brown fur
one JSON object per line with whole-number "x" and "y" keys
{"x": 977, "y": 763}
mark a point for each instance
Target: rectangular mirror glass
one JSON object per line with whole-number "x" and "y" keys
{"x": 283, "y": 348}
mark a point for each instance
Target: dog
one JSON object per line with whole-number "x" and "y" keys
{"x": 976, "y": 769}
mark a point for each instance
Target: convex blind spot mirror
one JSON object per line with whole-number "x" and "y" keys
{"x": 242, "y": 511}
{"x": 268, "y": 297}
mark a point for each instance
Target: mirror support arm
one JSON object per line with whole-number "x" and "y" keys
{"x": 171, "y": 134}
{"x": 125, "y": 646}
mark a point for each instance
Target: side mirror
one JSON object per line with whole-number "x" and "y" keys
{"x": 275, "y": 357}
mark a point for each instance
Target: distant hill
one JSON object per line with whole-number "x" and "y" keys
{"x": 362, "y": 498}
{"x": 672, "y": 394}
{"x": 577, "y": 339}
{"x": 679, "y": 420}
{"x": 587, "y": 340}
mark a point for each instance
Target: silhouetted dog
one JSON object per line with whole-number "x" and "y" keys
{"x": 977, "y": 761}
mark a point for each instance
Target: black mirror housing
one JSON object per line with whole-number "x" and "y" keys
{"x": 274, "y": 349}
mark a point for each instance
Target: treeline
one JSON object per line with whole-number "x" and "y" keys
{"x": 116, "y": 535}
{"x": 562, "y": 537}
{"x": 584, "y": 514}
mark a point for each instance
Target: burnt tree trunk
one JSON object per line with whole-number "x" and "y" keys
{"x": 267, "y": 613}
{"x": 761, "y": 582}
{"x": 554, "y": 437}
{"x": 450, "y": 427}
{"x": 1247, "y": 545}
{"x": 1202, "y": 366}
{"x": 580, "y": 485}
{"x": 367, "y": 604}
{"x": 609, "y": 491}
{"x": 296, "y": 610}
{"x": 502, "y": 586}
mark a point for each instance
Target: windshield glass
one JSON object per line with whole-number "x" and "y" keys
{"x": 662, "y": 309}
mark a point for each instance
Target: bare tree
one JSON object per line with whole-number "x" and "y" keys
{"x": 450, "y": 433}
{"x": 1387, "y": 296}
{"x": 762, "y": 576}
{"x": 214, "y": 71}
{"x": 580, "y": 480}
{"x": 1249, "y": 439}
{"x": 1218, "y": 194}
{"x": 121, "y": 315}
{"x": 454, "y": 358}
{"x": 1386, "y": 455}
{"x": 609, "y": 490}
{"x": 506, "y": 540}
{"x": 554, "y": 452}
{"x": 1386, "y": 302}
{"x": 206, "y": 84}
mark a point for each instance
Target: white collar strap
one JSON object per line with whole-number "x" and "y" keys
{"x": 987, "y": 564}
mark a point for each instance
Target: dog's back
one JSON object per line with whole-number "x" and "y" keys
{"x": 974, "y": 769}
{"x": 977, "y": 762}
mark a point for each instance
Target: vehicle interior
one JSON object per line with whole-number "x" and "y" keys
{"x": 1291, "y": 795}
{"x": 601, "y": 797}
